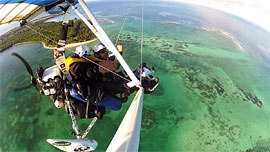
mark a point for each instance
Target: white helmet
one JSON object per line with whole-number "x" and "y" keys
{"x": 82, "y": 50}
{"x": 98, "y": 47}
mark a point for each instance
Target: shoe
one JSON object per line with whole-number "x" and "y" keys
{"x": 129, "y": 91}
{"x": 124, "y": 99}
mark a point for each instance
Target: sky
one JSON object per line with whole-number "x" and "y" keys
{"x": 255, "y": 11}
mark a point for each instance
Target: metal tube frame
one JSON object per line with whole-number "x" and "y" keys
{"x": 73, "y": 119}
{"x": 89, "y": 127}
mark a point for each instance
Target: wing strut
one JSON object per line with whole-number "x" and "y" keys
{"x": 127, "y": 136}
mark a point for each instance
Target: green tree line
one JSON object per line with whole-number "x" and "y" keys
{"x": 79, "y": 32}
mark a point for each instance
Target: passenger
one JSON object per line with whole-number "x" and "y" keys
{"x": 84, "y": 82}
{"x": 110, "y": 63}
{"x": 117, "y": 85}
{"x": 111, "y": 82}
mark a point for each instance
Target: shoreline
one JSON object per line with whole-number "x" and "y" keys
{"x": 22, "y": 43}
{"x": 1, "y": 51}
{"x": 51, "y": 48}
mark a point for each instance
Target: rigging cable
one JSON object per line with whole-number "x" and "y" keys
{"x": 141, "y": 47}
{"x": 83, "y": 56}
{"x": 117, "y": 38}
{"x": 40, "y": 34}
{"x": 53, "y": 32}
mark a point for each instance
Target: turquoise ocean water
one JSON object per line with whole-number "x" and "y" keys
{"x": 212, "y": 67}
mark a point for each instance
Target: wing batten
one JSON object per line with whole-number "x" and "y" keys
{"x": 34, "y": 13}
{"x": 18, "y": 11}
{"x": 15, "y": 10}
{"x": 6, "y": 10}
{"x": 16, "y": 18}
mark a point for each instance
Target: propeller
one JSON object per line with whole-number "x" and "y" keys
{"x": 33, "y": 79}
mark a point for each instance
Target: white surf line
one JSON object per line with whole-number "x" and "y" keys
{"x": 229, "y": 36}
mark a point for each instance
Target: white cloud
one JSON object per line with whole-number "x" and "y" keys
{"x": 255, "y": 11}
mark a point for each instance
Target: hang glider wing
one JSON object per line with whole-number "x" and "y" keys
{"x": 16, "y": 10}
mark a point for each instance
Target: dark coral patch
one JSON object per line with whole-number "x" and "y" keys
{"x": 35, "y": 120}
{"x": 50, "y": 112}
{"x": 247, "y": 96}
{"x": 149, "y": 118}
{"x": 262, "y": 146}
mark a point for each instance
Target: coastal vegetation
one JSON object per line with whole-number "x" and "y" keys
{"x": 78, "y": 32}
